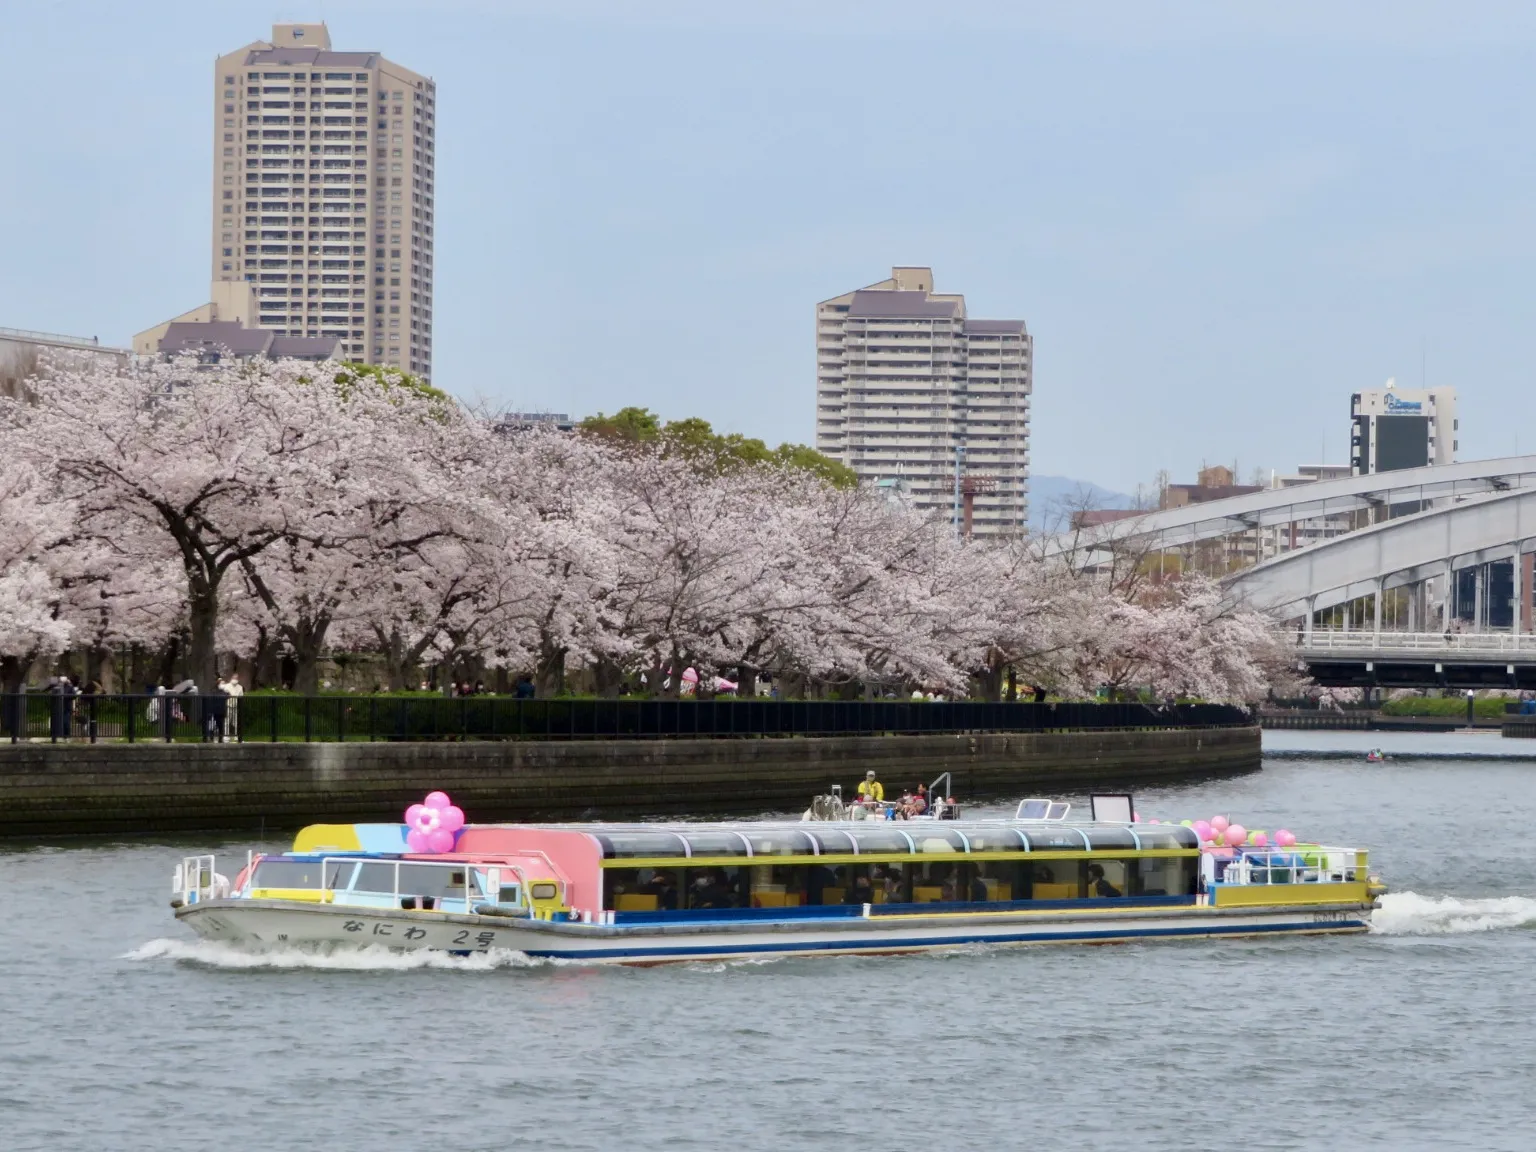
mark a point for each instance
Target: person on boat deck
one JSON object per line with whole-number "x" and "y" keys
{"x": 860, "y": 891}
{"x": 871, "y": 790}
{"x": 919, "y": 802}
{"x": 1101, "y": 886}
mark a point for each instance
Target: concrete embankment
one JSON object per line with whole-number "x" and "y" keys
{"x": 61, "y": 789}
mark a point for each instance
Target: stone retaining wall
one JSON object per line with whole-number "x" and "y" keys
{"x": 49, "y": 789}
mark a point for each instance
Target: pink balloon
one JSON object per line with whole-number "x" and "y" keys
{"x": 432, "y": 823}
{"x": 1219, "y": 823}
{"x": 1135, "y": 817}
{"x": 1203, "y": 829}
{"x": 1235, "y": 835}
{"x": 1260, "y": 840}
{"x": 1285, "y": 838}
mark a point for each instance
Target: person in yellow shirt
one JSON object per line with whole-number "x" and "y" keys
{"x": 871, "y": 790}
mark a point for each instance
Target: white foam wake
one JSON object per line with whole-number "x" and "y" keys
{"x": 345, "y": 959}
{"x": 1409, "y": 914}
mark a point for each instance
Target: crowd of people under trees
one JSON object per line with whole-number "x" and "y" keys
{"x": 286, "y": 515}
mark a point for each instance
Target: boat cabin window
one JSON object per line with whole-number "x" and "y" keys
{"x": 1165, "y": 876}
{"x": 1058, "y": 810}
{"x": 1033, "y": 810}
{"x": 642, "y": 889}
{"x": 619, "y": 845}
{"x": 434, "y": 880}
{"x": 301, "y": 873}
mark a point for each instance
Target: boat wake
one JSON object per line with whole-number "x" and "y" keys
{"x": 1410, "y": 914}
{"x": 343, "y": 959}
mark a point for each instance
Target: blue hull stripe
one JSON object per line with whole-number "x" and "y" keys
{"x": 683, "y": 953}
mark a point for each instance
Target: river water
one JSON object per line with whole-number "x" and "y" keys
{"x": 120, "y": 1032}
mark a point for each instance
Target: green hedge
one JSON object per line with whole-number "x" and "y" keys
{"x": 1487, "y": 706}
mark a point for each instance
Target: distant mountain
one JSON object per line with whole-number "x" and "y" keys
{"x": 1053, "y": 499}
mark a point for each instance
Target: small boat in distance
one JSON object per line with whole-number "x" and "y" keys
{"x": 653, "y": 893}
{"x": 1374, "y": 756}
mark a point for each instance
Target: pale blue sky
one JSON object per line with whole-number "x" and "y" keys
{"x": 1218, "y": 219}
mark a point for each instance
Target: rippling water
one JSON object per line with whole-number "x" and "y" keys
{"x": 120, "y": 1032}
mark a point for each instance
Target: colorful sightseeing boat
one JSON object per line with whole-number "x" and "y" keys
{"x": 652, "y": 893}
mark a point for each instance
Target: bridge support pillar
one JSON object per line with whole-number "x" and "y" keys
{"x": 1479, "y": 597}
{"x": 1445, "y": 602}
{"x": 1376, "y": 622}
{"x": 1311, "y": 612}
{"x": 1516, "y": 617}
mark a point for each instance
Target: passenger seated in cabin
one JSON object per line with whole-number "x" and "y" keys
{"x": 979, "y": 894}
{"x": 712, "y": 891}
{"x": 1098, "y": 885}
{"x": 871, "y": 791}
{"x": 860, "y": 892}
{"x": 664, "y": 888}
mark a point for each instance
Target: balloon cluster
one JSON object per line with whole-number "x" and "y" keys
{"x": 1219, "y": 832}
{"x": 432, "y": 824}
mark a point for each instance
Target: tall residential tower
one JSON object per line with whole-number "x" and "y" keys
{"x": 907, "y": 387}
{"x": 323, "y": 193}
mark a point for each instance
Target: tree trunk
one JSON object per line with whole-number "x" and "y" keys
{"x": 169, "y": 655}
{"x": 608, "y": 678}
{"x": 307, "y": 639}
{"x": 264, "y": 660}
{"x": 549, "y": 676}
{"x": 203, "y": 653}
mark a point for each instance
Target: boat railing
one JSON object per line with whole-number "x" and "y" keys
{"x": 1300, "y": 865}
{"x": 197, "y": 878}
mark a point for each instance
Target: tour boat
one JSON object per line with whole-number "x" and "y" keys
{"x": 653, "y": 893}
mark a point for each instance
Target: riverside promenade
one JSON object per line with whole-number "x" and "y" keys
{"x": 771, "y": 757}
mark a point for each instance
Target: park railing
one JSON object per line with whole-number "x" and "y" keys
{"x": 324, "y": 719}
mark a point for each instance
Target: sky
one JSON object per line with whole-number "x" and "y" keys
{"x": 1218, "y": 220}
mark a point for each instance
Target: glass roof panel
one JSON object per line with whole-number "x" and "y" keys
{"x": 930, "y": 837}
{"x": 716, "y": 843}
{"x": 779, "y": 842}
{"x": 1167, "y": 836}
{"x": 998, "y": 839}
{"x": 1054, "y": 838}
{"x": 1105, "y": 836}
{"x": 832, "y": 840}
{"x": 886, "y": 839}
{"x": 618, "y": 845}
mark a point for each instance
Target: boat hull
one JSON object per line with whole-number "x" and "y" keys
{"x": 269, "y": 924}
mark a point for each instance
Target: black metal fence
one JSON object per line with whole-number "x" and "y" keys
{"x": 313, "y": 719}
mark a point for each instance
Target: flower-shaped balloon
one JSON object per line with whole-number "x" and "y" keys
{"x": 432, "y": 823}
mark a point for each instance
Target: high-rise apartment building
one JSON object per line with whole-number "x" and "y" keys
{"x": 323, "y": 193}
{"x": 908, "y": 388}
